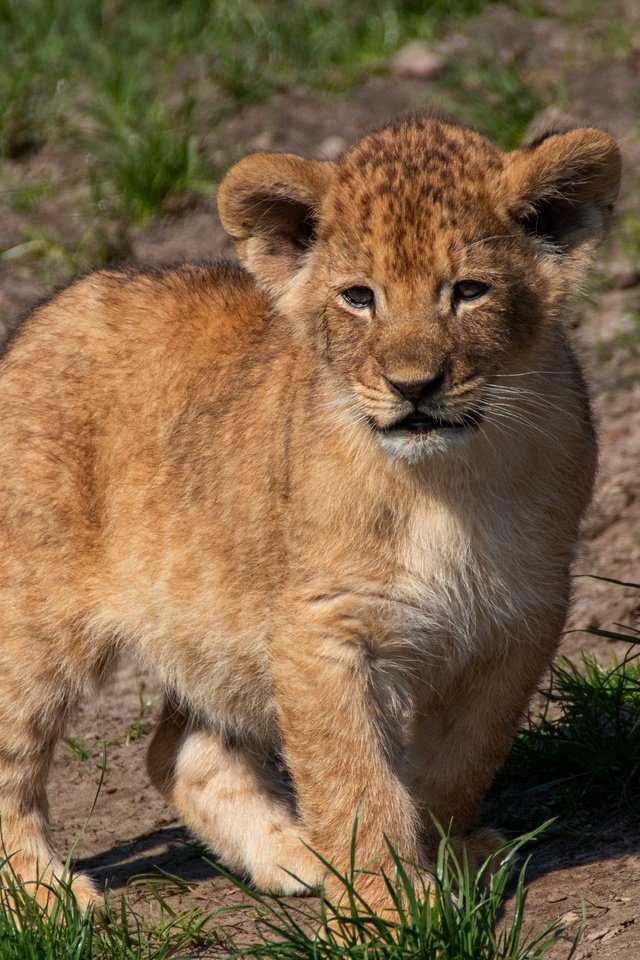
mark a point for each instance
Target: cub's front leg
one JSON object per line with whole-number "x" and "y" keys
{"x": 339, "y": 712}
{"x": 462, "y": 736}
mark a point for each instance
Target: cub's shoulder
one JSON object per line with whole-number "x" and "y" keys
{"x": 219, "y": 281}
{"x": 217, "y": 284}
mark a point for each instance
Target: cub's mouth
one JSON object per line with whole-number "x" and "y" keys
{"x": 420, "y": 423}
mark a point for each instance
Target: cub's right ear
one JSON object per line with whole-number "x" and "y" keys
{"x": 270, "y": 205}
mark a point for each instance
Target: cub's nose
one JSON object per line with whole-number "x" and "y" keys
{"x": 416, "y": 390}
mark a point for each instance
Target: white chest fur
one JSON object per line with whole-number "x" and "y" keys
{"x": 472, "y": 571}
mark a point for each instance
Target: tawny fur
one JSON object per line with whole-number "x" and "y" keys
{"x": 200, "y": 465}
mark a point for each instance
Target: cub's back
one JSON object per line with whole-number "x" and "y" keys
{"x": 107, "y": 322}
{"x": 89, "y": 384}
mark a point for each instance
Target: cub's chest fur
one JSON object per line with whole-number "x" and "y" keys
{"x": 470, "y": 574}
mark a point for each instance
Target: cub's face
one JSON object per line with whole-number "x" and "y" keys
{"x": 425, "y": 264}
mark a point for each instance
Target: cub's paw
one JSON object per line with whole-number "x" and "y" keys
{"x": 296, "y": 872}
{"x": 50, "y": 886}
{"x": 85, "y": 891}
{"x": 380, "y": 906}
{"x": 480, "y": 845}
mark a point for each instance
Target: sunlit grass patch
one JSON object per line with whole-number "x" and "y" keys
{"x": 497, "y": 97}
{"x": 144, "y": 156}
{"x": 115, "y": 931}
{"x": 264, "y": 45}
{"x": 451, "y": 914}
{"x": 27, "y": 932}
{"x": 588, "y": 738}
{"x": 584, "y": 744}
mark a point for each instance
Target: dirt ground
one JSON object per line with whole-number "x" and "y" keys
{"x": 131, "y": 831}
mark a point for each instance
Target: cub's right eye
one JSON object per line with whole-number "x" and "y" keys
{"x": 358, "y": 297}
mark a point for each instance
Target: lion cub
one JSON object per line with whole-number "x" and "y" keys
{"x": 330, "y": 497}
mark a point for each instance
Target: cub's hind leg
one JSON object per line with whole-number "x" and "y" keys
{"x": 33, "y": 708}
{"x": 234, "y": 799}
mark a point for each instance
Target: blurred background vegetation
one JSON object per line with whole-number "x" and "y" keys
{"x": 139, "y": 88}
{"x": 125, "y": 100}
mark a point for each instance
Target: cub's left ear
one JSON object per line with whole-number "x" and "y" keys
{"x": 562, "y": 187}
{"x": 270, "y": 204}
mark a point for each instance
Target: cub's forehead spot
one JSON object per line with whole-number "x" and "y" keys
{"x": 396, "y": 192}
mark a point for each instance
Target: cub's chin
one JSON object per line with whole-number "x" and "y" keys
{"x": 419, "y": 435}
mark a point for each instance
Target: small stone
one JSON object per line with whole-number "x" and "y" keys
{"x": 623, "y": 275}
{"x": 570, "y": 917}
{"x": 262, "y": 141}
{"x": 332, "y": 147}
{"x": 556, "y": 896}
{"x": 417, "y": 60}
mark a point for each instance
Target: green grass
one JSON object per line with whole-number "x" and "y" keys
{"x": 139, "y": 726}
{"x": 587, "y": 741}
{"x": 452, "y": 915}
{"x": 27, "y": 933}
{"x": 250, "y": 48}
{"x": 141, "y": 157}
{"x": 630, "y": 234}
{"x": 77, "y": 748}
{"x": 118, "y": 932}
{"x": 139, "y": 88}
{"x": 264, "y": 46}
{"x": 458, "y": 921}
{"x": 583, "y": 748}
{"x": 496, "y": 97}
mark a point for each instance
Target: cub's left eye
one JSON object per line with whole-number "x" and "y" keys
{"x": 359, "y": 297}
{"x": 469, "y": 290}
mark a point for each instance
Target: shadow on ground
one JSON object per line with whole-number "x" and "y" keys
{"x": 170, "y": 850}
